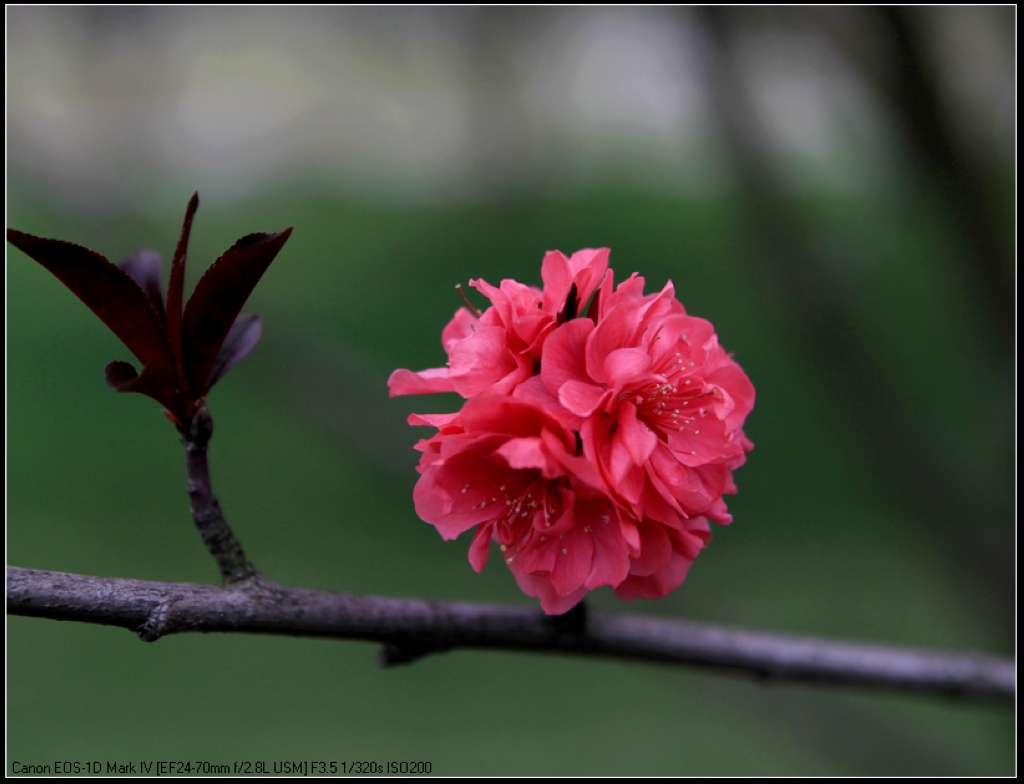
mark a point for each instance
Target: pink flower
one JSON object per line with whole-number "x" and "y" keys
{"x": 508, "y": 470}
{"x": 658, "y": 404}
{"x": 596, "y": 441}
{"x": 495, "y": 351}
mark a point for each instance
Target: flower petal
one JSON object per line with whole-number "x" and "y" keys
{"x": 481, "y": 361}
{"x": 480, "y": 548}
{"x": 564, "y": 356}
{"x": 573, "y": 560}
{"x": 626, "y": 367}
{"x": 658, "y": 584}
{"x": 540, "y": 587}
{"x": 634, "y": 436}
{"x": 426, "y": 382}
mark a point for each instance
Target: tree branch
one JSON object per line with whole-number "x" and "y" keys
{"x": 412, "y": 628}
{"x": 217, "y": 535}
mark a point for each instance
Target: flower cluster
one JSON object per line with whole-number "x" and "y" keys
{"x": 600, "y": 431}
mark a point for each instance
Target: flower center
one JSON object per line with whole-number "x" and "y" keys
{"x": 677, "y": 403}
{"x": 517, "y": 502}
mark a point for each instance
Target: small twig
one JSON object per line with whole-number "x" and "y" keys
{"x": 220, "y": 541}
{"x": 411, "y": 628}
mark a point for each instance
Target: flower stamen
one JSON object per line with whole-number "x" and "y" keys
{"x": 470, "y": 305}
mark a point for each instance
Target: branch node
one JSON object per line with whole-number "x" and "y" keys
{"x": 157, "y": 623}
{"x": 258, "y": 588}
{"x": 197, "y": 433}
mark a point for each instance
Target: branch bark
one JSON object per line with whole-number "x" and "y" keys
{"x": 217, "y": 536}
{"x": 412, "y": 628}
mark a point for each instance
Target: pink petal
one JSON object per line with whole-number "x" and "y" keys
{"x": 702, "y": 441}
{"x": 507, "y": 416}
{"x": 526, "y": 453}
{"x": 626, "y": 368}
{"x": 635, "y": 435}
{"x": 533, "y": 391}
{"x": 630, "y": 534}
{"x": 565, "y": 355}
{"x": 581, "y": 398}
{"x": 432, "y": 420}
{"x": 588, "y": 268}
{"x": 537, "y": 557}
{"x": 480, "y": 361}
{"x": 426, "y": 382}
{"x": 573, "y": 558}
{"x": 557, "y": 277}
{"x": 459, "y": 493}
{"x": 656, "y": 585}
{"x": 480, "y": 548}
{"x": 655, "y": 550}
{"x": 731, "y": 378}
{"x": 610, "y": 563}
{"x": 540, "y": 587}
{"x": 462, "y": 325}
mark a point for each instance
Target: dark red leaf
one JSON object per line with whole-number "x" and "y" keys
{"x": 120, "y": 374}
{"x": 242, "y": 338}
{"x": 107, "y": 290}
{"x": 143, "y": 267}
{"x": 218, "y": 299}
{"x": 176, "y": 283}
{"x": 157, "y": 385}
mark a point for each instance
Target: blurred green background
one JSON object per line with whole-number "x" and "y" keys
{"x": 833, "y": 188}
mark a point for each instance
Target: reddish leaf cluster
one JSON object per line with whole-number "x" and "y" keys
{"x": 596, "y": 441}
{"x": 184, "y": 350}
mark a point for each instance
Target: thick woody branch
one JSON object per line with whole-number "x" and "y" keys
{"x": 411, "y": 628}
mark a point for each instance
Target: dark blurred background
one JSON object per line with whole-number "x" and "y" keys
{"x": 833, "y": 188}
